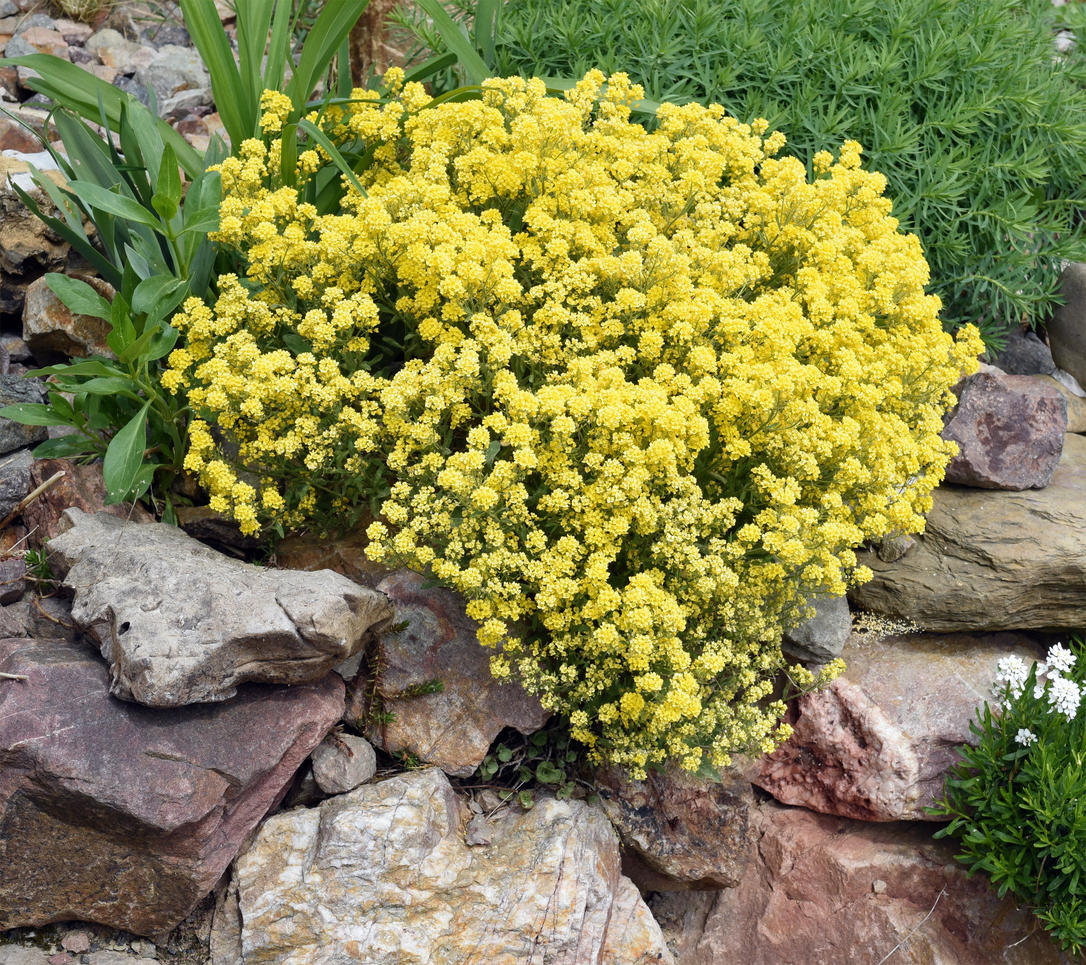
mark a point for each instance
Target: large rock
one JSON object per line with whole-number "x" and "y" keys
{"x": 18, "y": 390}
{"x": 28, "y": 248}
{"x": 1025, "y": 354}
{"x": 127, "y": 816}
{"x": 679, "y": 830}
{"x": 81, "y": 487}
{"x": 993, "y": 560}
{"x": 179, "y": 623}
{"x": 1009, "y": 430}
{"x": 877, "y": 743}
{"x": 383, "y": 875}
{"x": 454, "y": 727}
{"x": 1067, "y": 327}
{"x": 1072, "y": 395}
{"x": 827, "y": 891}
{"x": 53, "y": 332}
{"x": 174, "y": 69}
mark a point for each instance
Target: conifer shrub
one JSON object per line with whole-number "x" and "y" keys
{"x": 635, "y": 394}
{"x": 977, "y": 124}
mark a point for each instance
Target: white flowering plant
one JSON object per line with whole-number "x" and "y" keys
{"x": 1017, "y": 799}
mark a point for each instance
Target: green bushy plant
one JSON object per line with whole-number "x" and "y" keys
{"x": 1017, "y": 800}
{"x": 978, "y": 127}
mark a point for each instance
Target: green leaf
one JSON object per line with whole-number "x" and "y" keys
{"x": 158, "y": 295}
{"x": 103, "y": 386}
{"x": 66, "y": 446}
{"x": 205, "y": 27}
{"x": 526, "y": 799}
{"x": 32, "y": 414}
{"x": 78, "y": 296}
{"x": 167, "y": 196}
{"x": 505, "y": 754}
{"x": 116, "y": 204}
{"x": 334, "y": 23}
{"x": 333, "y": 152}
{"x": 453, "y": 36}
{"x": 124, "y": 456}
{"x": 84, "y": 367}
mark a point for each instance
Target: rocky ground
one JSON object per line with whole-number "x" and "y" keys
{"x": 183, "y": 777}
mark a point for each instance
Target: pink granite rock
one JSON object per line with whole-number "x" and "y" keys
{"x": 828, "y": 891}
{"x": 877, "y": 743}
{"x": 125, "y": 815}
{"x": 1009, "y": 430}
{"x": 454, "y": 727}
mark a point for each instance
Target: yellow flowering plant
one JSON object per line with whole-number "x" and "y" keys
{"x": 636, "y": 395}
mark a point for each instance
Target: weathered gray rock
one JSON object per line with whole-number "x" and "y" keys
{"x": 53, "y": 332}
{"x": 877, "y": 743}
{"x": 342, "y": 762}
{"x": 677, "y": 830}
{"x": 14, "y": 480}
{"x": 993, "y": 560}
{"x": 15, "y": 389}
{"x": 820, "y": 638}
{"x": 383, "y": 875}
{"x": 454, "y": 727}
{"x": 1025, "y": 354}
{"x": 1009, "y": 430}
{"x": 827, "y": 891}
{"x": 116, "y": 51}
{"x": 124, "y": 815}
{"x": 1067, "y": 327}
{"x": 17, "y": 955}
{"x": 172, "y": 70}
{"x": 179, "y": 623}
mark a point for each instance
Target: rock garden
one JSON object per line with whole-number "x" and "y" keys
{"x": 448, "y": 516}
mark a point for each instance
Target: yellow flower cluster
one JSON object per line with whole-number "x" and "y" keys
{"x": 637, "y": 395}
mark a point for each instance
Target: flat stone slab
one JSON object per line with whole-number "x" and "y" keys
{"x": 877, "y": 743}
{"x": 180, "y": 623}
{"x": 383, "y": 875}
{"x": 992, "y": 560}
{"x": 125, "y": 815}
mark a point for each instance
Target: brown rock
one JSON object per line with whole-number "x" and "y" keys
{"x": 455, "y": 727}
{"x": 215, "y": 529}
{"x": 52, "y": 331}
{"x": 813, "y": 899}
{"x": 126, "y": 816}
{"x": 346, "y": 556}
{"x": 28, "y": 248}
{"x": 877, "y": 743}
{"x": 992, "y": 560}
{"x": 1076, "y": 404}
{"x": 681, "y": 831}
{"x": 1009, "y": 430}
{"x": 46, "y": 41}
{"x": 15, "y": 137}
{"x": 81, "y": 487}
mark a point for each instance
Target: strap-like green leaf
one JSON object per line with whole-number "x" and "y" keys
{"x": 167, "y": 197}
{"x": 116, "y": 204}
{"x": 32, "y": 414}
{"x": 333, "y": 152}
{"x": 454, "y": 37}
{"x": 334, "y": 23}
{"x": 124, "y": 456}
{"x": 205, "y": 28}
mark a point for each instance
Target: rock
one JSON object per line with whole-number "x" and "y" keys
{"x": 115, "y": 51}
{"x": 15, "y": 137}
{"x": 341, "y": 762}
{"x": 172, "y": 70}
{"x": 77, "y": 942}
{"x": 14, "y": 955}
{"x": 820, "y": 638}
{"x": 346, "y": 555}
{"x": 682, "y": 831}
{"x": 454, "y": 727}
{"x": 1076, "y": 404}
{"x": 1025, "y": 354}
{"x": 46, "y": 41}
{"x": 39, "y": 21}
{"x": 14, "y": 480}
{"x": 81, "y": 487}
{"x": 12, "y": 579}
{"x": 155, "y": 804}
{"x": 1067, "y": 327}
{"x": 53, "y": 332}
{"x": 1009, "y": 430}
{"x": 383, "y": 875}
{"x": 14, "y": 390}
{"x": 993, "y": 560}
{"x": 215, "y": 529}
{"x": 811, "y": 900}
{"x": 73, "y": 31}
{"x": 179, "y": 623}
{"x": 110, "y": 957}
{"x": 877, "y": 743}
{"x": 27, "y": 246}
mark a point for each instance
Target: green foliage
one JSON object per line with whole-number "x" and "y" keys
{"x": 150, "y": 245}
{"x": 39, "y": 570}
{"x": 518, "y": 766}
{"x": 1017, "y": 800}
{"x": 978, "y": 127}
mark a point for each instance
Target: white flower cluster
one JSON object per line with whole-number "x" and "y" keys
{"x": 1064, "y": 695}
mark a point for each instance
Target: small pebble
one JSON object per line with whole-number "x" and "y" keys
{"x": 878, "y": 886}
